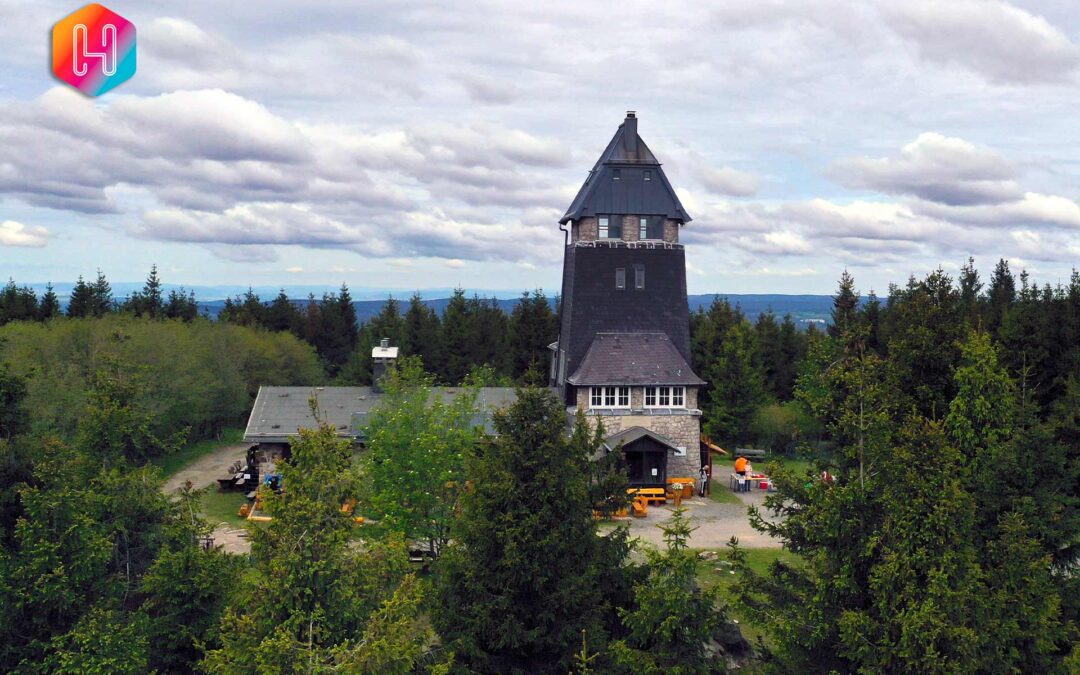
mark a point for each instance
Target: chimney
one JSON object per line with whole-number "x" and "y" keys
{"x": 630, "y": 134}
{"x": 382, "y": 357}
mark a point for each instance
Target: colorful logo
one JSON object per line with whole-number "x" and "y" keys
{"x": 93, "y": 49}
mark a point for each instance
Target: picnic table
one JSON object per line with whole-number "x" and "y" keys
{"x": 756, "y": 477}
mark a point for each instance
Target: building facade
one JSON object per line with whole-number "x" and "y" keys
{"x": 623, "y": 354}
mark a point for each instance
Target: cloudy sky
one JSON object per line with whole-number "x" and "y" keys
{"x": 414, "y": 145}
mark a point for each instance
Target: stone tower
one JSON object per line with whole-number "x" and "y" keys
{"x": 624, "y": 337}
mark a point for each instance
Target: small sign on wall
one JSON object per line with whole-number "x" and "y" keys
{"x": 655, "y": 471}
{"x": 680, "y": 451}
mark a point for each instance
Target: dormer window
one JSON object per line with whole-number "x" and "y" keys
{"x": 648, "y": 175}
{"x": 616, "y": 174}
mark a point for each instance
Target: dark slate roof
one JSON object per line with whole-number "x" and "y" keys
{"x": 634, "y": 359}
{"x": 280, "y": 412}
{"x": 631, "y": 194}
{"x": 631, "y": 434}
{"x": 591, "y": 304}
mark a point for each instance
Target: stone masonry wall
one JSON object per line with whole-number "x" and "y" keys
{"x": 682, "y": 427}
{"x": 587, "y": 229}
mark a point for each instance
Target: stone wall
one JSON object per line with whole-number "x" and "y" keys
{"x": 682, "y": 427}
{"x": 587, "y": 229}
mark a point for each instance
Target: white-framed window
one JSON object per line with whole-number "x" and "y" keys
{"x": 665, "y": 397}
{"x": 603, "y": 226}
{"x": 609, "y": 397}
{"x": 643, "y": 228}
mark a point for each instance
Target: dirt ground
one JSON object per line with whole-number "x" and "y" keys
{"x": 208, "y": 468}
{"x": 204, "y": 472}
{"x": 715, "y": 523}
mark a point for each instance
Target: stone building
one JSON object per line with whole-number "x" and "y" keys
{"x": 624, "y": 339}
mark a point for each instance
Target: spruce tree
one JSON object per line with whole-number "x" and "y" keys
{"x": 80, "y": 302}
{"x": 845, "y": 306}
{"x": 421, "y": 334}
{"x": 1000, "y": 294}
{"x": 455, "y": 335}
{"x": 524, "y": 573}
{"x": 50, "y": 304}
{"x": 101, "y": 297}
{"x": 282, "y": 315}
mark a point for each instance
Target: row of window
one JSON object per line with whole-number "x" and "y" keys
{"x": 655, "y": 397}
{"x": 649, "y": 227}
{"x": 620, "y": 277}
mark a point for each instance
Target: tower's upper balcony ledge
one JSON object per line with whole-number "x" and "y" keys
{"x": 620, "y": 243}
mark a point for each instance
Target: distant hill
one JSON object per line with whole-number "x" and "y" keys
{"x": 804, "y": 309}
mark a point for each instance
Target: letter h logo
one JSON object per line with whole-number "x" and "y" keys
{"x": 93, "y": 49}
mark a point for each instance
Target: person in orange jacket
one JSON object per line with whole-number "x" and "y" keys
{"x": 740, "y": 465}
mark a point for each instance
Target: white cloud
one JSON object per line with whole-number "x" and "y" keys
{"x": 935, "y": 168}
{"x": 454, "y": 263}
{"x": 995, "y": 39}
{"x": 17, "y": 234}
{"x": 728, "y": 181}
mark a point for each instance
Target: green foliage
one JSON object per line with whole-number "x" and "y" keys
{"x": 781, "y": 428}
{"x": 415, "y": 460}
{"x": 724, "y": 355}
{"x": 197, "y": 374}
{"x": 672, "y": 619}
{"x": 315, "y": 591}
{"x": 532, "y": 328}
{"x": 525, "y": 573}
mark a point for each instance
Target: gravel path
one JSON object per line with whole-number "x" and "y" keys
{"x": 204, "y": 472}
{"x": 716, "y": 523}
{"x": 207, "y": 469}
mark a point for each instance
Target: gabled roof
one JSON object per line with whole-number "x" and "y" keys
{"x": 631, "y": 434}
{"x": 633, "y": 359}
{"x": 280, "y": 412}
{"x": 631, "y": 193}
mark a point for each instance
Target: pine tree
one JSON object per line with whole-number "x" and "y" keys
{"x": 672, "y": 619}
{"x": 17, "y": 304}
{"x": 282, "y": 315}
{"x": 523, "y": 574}
{"x": 532, "y": 329}
{"x": 101, "y": 297}
{"x": 455, "y": 336}
{"x": 80, "y": 302}
{"x": 421, "y": 334}
{"x": 1000, "y": 295}
{"x": 970, "y": 292}
{"x": 50, "y": 304}
{"x": 845, "y": 306}
{"x": 181, "y": 305}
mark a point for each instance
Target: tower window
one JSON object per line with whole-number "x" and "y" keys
{"x": 651, "y": 227}
{"x": 639, "y": 276}
{"x": 620, "y": 278}
{"x": 610, "y": 227}
{"x": 648, "y": 175}
{"x": 616, "y": 174}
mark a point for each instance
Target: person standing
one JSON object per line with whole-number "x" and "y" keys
{"x": 704, "y": 477}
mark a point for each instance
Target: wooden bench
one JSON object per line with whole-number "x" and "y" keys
{"x": 650, "y": 495}
{"x": 751, "y": 453}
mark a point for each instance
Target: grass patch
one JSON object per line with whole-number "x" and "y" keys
{"x": 170, "y": 464}
{"x": 720, "y": 493}
{"x": 222, "y": 507}
{"x": 716, "y": 573}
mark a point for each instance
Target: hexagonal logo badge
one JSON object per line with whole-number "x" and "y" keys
{"x": 93, "y": 49}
